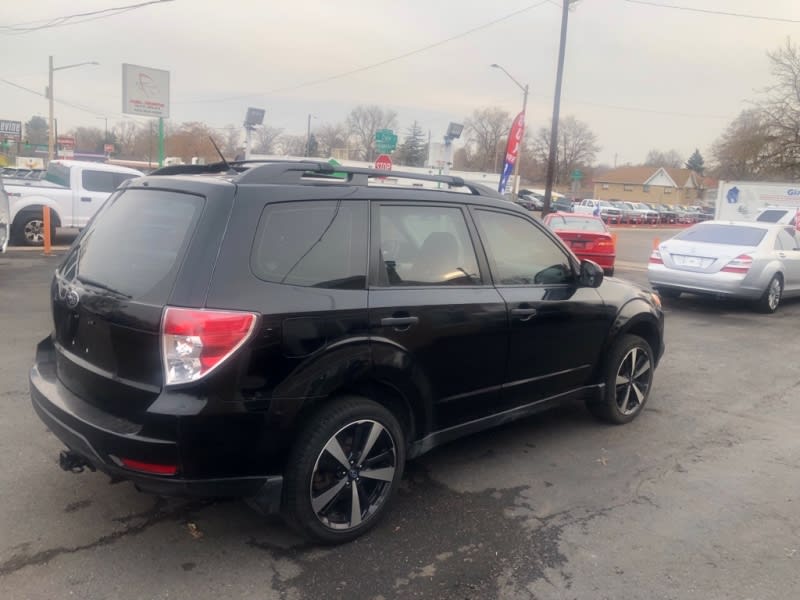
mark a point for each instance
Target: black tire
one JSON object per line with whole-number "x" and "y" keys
{"x": 609, "y": 272}
{"x": 28, "y": 229}
{"x": 669, "y": 293}
{"x": 347, "y": 425}
{"x": 624, "y": 397}
{"x": 771, "y": 298}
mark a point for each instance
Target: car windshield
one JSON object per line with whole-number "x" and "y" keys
{"x": 718, "y": 233}
{"x": 570, "y": 223}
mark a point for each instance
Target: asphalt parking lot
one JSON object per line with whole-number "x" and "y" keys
{"x": 698, "y": 498}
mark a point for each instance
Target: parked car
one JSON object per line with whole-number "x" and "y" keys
{"x": 599, "y": 208}
{"x": 682, "y": 215}
{"x": 73, "y": 190}
{"x": 530, "y": 202}
{"x": 561, "y": 204}
{"x": 224, "y": 334}
{"x": 5, "y": 218}
{"x": 774, "y": 214}
{"x": 665, "y": 213}
{"x": 648, "y": 214}
{"x": 750, "y": 260}
{"x": 587, "y": 236}
{"x": 626, "y": 213}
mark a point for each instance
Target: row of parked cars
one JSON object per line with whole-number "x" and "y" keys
{"x": 617, "y": 211}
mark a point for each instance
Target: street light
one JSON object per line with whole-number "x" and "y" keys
{"x": 524, "y": 89}
{"x": 51, "y": 133}
{"x": 308, "y": 134}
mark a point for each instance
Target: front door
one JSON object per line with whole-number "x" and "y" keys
{"x": 433, "y": 312}
{"x": 95, "y": 188}
{"x": 557, "y": 328}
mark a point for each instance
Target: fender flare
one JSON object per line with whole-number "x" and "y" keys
{"x": 25, "y": 203}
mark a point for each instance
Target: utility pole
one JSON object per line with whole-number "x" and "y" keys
{"x": 308, "y": 136}
{"x": 51, "y": 140}
{"x": 551, "y": 159}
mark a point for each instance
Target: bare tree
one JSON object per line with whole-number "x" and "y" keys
{"x": 744, "y": 150}
{"x": 363, "y": 122}
{"x": 292, "y": 145}
{"x": 670, "y": 159}
{"x": 231, "y": 141}
{"x": 329, "y": 137}
{"x": 191, "y": 139}
{"x": 266, "y": 139}
{"x": 487, "y": 130}
{"x": 88, "y": 139}
{"x": 577, "y": 147}
{"x": 781, "y": 110}
{"x": 126, "y": 133}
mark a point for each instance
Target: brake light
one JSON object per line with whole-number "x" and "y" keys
{"x": 655, "y": 258}
{"x": 144, "y": 467}
{"x": 604, "y": 244}
{"x": 194, "y": 342}
{"x": 740, "y": 264}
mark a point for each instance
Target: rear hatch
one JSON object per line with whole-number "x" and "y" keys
{"x": 109, "y": 295}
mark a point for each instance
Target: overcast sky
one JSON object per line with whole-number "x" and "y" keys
{"x": 642, "y": 77}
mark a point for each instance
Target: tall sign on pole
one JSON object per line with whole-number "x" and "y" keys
{"x": 253, "y": 118}
{"x": 145, "y": 93}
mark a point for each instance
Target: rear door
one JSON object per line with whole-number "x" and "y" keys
{"x": 109, "y": 294}
{"x": 557, "y": 328}
{"x": 95, "y": 187}
{"x": 433, "y": 311}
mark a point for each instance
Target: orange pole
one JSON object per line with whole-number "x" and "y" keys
{"x": 614, "y": 238}
{"x": 47, "y": 240}
{"x": 656, "y": 243}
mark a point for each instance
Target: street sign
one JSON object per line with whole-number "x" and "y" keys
{"x": 108, "y": 148}
{"x": 577, "y": 175}
{"x": 254, "y": 116}
{"x": 385, "y": 140}
{"x": 383, "y": 163}
{"x": 66, "y": 141}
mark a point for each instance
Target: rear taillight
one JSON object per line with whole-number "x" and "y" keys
{"x": 655, "y": 258}
{"x": 740, "y": 264}
{"x": 604, "y": 244}
{"x": 194, "y": 342}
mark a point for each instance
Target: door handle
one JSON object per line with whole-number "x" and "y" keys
{"x": 525, "y": 314}
{"x": 86, "y": 199}
{"x": 781, "y": 254}
{"x": 400, "y": 323}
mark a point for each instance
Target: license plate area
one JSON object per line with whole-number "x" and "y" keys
{"x": 693, "y": 262}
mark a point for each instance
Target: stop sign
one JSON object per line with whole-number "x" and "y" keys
{"x": 383, "y": 162}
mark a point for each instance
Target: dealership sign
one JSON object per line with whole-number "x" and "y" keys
{"x": 145, "y": 91}
{"x": 11, "y": 130}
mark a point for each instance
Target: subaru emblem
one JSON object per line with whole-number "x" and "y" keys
{"x": 72, "y": 298}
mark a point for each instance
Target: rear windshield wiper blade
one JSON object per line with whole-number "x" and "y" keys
{"x": 101, "y": 286}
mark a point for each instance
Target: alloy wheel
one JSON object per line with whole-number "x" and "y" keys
{"x": 633, "y": 380}
{"x": 353, "y": 475}
{"x": 34, "y": 231}
{"x": 774, "y": 293}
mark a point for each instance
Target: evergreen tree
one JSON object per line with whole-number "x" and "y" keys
{"x": 696, "y": 163}
{"x": 414, "y": 149}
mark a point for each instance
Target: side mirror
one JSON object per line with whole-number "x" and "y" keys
{"x": 591, "y": 274}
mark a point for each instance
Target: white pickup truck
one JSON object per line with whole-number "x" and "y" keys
{"x": 73, "y": 190}
{"x": 599, "y": 208}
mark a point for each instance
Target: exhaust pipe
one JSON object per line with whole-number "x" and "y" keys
{"x": 73, "y": 462}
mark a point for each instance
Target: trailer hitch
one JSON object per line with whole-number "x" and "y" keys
{"x": 73, "y": 462}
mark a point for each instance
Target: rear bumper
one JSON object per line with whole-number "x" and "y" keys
{"x": 719, "y": 284}
{"x": 103, "y": 439}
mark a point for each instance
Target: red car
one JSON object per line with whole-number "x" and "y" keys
{"x": 587, "y": 236}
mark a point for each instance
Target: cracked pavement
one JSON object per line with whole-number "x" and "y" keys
{"x": 698, "y": 498}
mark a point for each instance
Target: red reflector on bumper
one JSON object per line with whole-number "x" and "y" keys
{"x": 136, "y": 465}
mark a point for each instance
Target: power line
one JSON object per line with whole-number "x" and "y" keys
{"x": 74, "y": 19}
{"x": 714, "y": 12}
{"x": 377, "y": 64}
{"x": 64, "y": 102}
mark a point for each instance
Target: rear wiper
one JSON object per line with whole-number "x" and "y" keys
{"x": 101, "y": 286}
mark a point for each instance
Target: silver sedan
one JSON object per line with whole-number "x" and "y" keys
{"x": 754, "y": 261}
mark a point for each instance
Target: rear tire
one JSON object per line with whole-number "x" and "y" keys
{"x": 669, "y": 293}
{"x": 628, "y": 378}
{"x": 771, "y": 298}
{"x": 609, "y": 272}
{"x": 343, "y": 470}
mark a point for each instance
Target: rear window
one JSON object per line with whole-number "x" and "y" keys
{"x": 771, "y": 216}
{"x": 136, "y": 243}
{"x": 313, "y": 244}
{"x": 57, "y": 173}
{"x": 559, "y": 223}
{"x": 733, "y": 235}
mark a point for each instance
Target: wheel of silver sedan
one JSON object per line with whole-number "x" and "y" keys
{"x": 353, "y": 475}
{"x": 774, "y": 293}
{"x": 633, "y": 380}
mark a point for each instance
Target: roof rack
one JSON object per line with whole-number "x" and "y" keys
{"x": 282, "y": 171}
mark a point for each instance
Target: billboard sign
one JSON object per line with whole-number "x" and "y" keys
{"x": 145, "y": 91}
{"x": 11, "y": 130}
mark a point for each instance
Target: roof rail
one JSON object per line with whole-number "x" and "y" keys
{"x": 297, "y": 172}
{"x": 217, "y": 167}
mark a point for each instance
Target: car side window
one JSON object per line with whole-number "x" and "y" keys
{"x": 425, "y": 245}
{"x": 98, "y": 181}
{"x": 785, "y": 241}
{"x": 520, "y": 253}
{"x": 313, "y": 244}
{"x": 120, "y": 177}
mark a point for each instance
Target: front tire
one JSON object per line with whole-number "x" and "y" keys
{"x": 628, "y": 379}
{"x": 343, "y": 470}
{"x": 28, "y": 229}
{"x": 771, "y": 298}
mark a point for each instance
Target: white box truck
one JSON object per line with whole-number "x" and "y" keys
{"x": 772, "y": 202}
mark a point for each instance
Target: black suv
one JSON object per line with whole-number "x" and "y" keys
{"x": 292, "y": 335}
